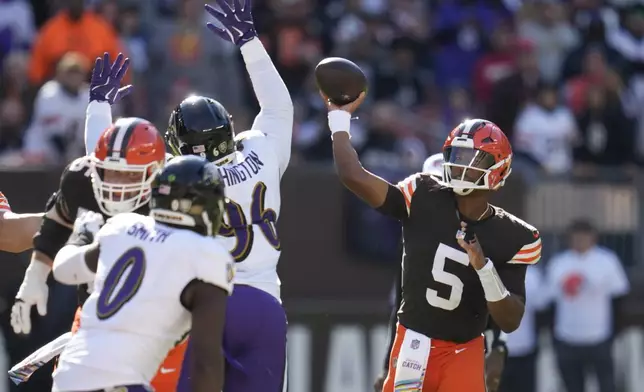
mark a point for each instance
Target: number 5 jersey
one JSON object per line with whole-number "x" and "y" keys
{"x": 442, "y": 296}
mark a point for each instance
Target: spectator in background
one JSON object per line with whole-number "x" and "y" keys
{"x": 56, "y": 131}
{"x": 511, "y": 93}
{"x": 73, "y": 29}
{"x": 519, "y": 374}
{"x": 13, "y": 96}
{"x": 586, "y": 282}
{"x": 396, "y": 79}
{"x": 184, "y": 52}
{"x": 135, "y": 43}
{"x": 545, "y": 132}
{"x": 390, "y": 140}
{"x": 596, "y": 73}
{"x": 17, "y": 29}
{"x": 552, "y": 35}
{"x": 593, "y": 35}
{"x": 607, "y": 136}
{"x": 496, "y": 64}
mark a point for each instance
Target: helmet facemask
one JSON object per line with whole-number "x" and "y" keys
{"x": 120, "y": 187}
{"x": 466, "y": 169}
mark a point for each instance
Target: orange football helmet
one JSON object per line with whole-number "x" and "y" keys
{"x": 477, "y": 155}
{"x": 126, "y": 160}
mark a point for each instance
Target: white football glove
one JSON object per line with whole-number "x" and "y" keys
{"x": 33, "y": 291}
{"x": 88, "y": 222}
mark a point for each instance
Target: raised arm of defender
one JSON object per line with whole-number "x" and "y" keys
{"x": 374, "y": 190}
{"x": 275, "y": 118}
{"x": 105, "y": 90}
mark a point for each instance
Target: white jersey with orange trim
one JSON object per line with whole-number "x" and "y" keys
{"x": 134, "y": 315}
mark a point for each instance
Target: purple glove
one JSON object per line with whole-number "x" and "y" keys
{"x": 105, "y": 85}
{"x": 238, "y": 21}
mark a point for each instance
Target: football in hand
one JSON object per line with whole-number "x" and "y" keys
{"x": 340, "y": 79}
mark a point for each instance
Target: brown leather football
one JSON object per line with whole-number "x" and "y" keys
{"x": 340, "y": 79}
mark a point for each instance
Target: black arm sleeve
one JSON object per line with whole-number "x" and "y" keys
{"x": 394, "y": 205}
{"x": 393, "y": 319}
{"x": 51, "y": 237}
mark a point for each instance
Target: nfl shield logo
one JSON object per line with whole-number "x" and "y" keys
{"x": 415, "y": 344}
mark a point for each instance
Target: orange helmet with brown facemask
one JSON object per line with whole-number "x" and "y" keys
{"x": 477, "y": 155}
{"x": 127, "y": 157}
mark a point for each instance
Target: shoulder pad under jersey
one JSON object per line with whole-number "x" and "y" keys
{"x": 526, "y": 237}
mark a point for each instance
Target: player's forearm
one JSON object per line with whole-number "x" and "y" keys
{"x": 70, "y": 267}
{"x": 17, "y": 231}
{"x": 208, "y": 374}
{"x": 97, "y": 119}
{"x": 507, "y": 313}
{"x": 368, "y": 187}
{"x": 505, "y": 308}
{"x": 271, "y": 92}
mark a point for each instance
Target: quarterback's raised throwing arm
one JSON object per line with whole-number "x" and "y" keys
{"x": 374, "y": 190}
{"x": 275, "y": 118}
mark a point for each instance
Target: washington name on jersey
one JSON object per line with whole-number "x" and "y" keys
{"x": 442, "y": 294}
{"x": 253, "y": 191}
{"x": 134, "y": 315}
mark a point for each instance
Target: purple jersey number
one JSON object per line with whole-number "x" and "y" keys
{"x": 110, "y": 300}
{"x": 240, "y": 227}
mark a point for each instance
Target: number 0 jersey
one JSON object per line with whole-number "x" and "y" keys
{"x": 134, "y": 315}
{"x": 253, "y": 190}
{"x": 442, "y": 296}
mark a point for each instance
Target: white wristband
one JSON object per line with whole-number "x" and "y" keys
{"x": 339, "y": 121}
{"x": 491, "y": 281}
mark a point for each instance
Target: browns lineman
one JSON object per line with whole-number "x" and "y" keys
{"x": 464, "y": 259}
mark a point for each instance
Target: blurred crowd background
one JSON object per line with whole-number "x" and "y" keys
{"x": 563, "y": 79}
{"x": 552, "y": 74}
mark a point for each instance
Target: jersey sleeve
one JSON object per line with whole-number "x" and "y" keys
{"x": 4, "y": 203}
{"x": 74, "y": 186}
{"x": 98, "y": 118}
{"x": 213, "y": 264}
{"x": 275, "y": 118}
{"x": 408, "y": 187}
{"x": 530, "y": 253}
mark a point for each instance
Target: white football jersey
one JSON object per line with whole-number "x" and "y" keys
{"x": 134, "y": 315}
{"x": 252, "y": 181}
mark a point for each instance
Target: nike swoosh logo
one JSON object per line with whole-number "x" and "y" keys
{"x": 166, "y": 370}
{"x": 460, "y": 351}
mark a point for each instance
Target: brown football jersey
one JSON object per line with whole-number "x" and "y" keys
{"x": 442, "y": 296}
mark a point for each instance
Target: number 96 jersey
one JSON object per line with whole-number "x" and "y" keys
{"x": 252, "y": 180}
{"x": 134, "y": 315}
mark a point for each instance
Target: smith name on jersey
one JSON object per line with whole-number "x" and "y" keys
{"x": 143, "y": 268}
{"x": 442, "y": 293}
{"x": 252, "y": 180}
